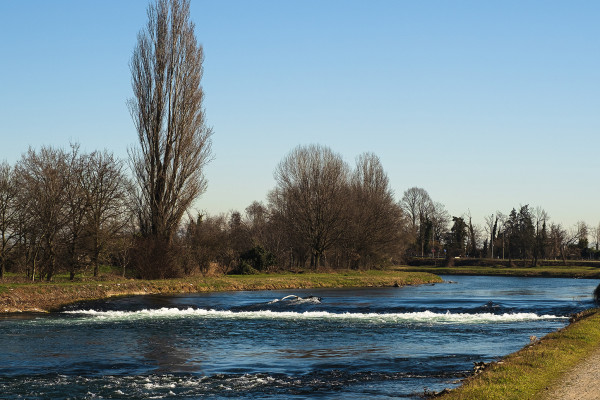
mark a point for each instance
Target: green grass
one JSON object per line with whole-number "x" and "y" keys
{"x": 44, "y": 296}
{"x": 527, "y": 373}
{"x": 580, "y": 271}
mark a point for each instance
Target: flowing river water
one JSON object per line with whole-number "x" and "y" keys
{"x": 375, "y": 343}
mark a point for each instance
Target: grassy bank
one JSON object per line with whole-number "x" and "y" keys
{"x": 16, "y": 297}
{"x": 581, "y": 271}
{"x": 527, "y": 373}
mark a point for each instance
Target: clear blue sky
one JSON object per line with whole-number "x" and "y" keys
{"x": 485, "y": 104}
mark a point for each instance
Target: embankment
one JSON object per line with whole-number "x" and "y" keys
{"x": 534, "y": 371}
{"x": 46, "y": 297}
{"x": 548, "y": 271}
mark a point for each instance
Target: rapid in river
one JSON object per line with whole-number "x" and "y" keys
{"x": 375, "y": 343}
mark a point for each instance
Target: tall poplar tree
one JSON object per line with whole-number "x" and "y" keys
{"x": 174, "y": 140}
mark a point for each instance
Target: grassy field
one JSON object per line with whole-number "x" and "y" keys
{"x": 527, "y": 373}
{"x": 17, "y": 296}
{"x": 579, "y": 271}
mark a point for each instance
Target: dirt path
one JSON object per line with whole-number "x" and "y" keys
{"x": 582, "y": 383}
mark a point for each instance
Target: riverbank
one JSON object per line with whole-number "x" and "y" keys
{"x": 555, "y": 271}
{"x": 540, "y": 369}
{"x": 46, "y": 297}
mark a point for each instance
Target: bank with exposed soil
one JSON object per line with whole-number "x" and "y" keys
{"x": 46, "y": 297}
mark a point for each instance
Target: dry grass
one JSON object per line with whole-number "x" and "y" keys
{"x": 42, "y": 296}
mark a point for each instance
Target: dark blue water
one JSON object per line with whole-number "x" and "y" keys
{"x": 375, "y": 343}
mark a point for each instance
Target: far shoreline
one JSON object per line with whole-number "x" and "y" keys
{"x": 574, "y": 272}
{"x": 49, "y": 296}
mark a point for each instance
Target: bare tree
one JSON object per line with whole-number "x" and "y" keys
{"x": 562, "y": 241}
{"x": 208, "y": 242}
{"x": 8, "y": 214}
{"x": 415, "y": 202}
{"x": 595, "y": 232}
{"x": 42, "y": 178}
{"x": 418, "y": 206}
{"x": 491, "y": 228}
{"x": 311, "y": 183}
{"x": 440, "y": 219}
{"x": 376, "y": 222}
{"x": 104, "y": 186}
{"x": 257, "y": 217}
{"x": 541, "y": 218}
{"x": 74, "y": 253}
{"x": 175, "y": 145}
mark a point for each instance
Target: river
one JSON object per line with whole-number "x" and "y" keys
{"x": 375, "y": 343}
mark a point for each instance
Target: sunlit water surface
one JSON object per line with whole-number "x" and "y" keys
{"x": 375, "y": 343}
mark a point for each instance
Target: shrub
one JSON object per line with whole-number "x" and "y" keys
{"x": 244, "y": 269}
{"x": 258, "y": 258}
{"x": 154, "y": 258}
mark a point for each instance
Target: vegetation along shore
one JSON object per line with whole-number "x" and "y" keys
{"x": 44, "y": 297}
{"x": 587, "y": 270}
{"x": 535, "y": 371}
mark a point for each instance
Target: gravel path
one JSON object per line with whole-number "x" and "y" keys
{"x": 582, "y": 383}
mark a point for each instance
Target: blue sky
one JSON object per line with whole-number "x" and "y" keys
{"x": 487, "y": 105}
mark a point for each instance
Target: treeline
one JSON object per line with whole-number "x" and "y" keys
{"x": 63, "y": 211}
{"x": 524, "y": 233}
{"x": 69, "y": 211}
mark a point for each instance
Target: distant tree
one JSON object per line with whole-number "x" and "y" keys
{"x": 595, "y": 232}
{"x": 207, "y": 241}
{"x": 175, "y": 145}
{"x": 440, "y": 219}
{"x": 257, "y": 216}
{"x": 455, "y": 240}
{"x": 416, "y": 202}
{"x": 512, "y": 234}
{"x": 541, "y": 235}
{"x": 500, "y": 242}
{"x": 105, "y": 187}
{"x": 8, "y": 214}
{"x": 526, "y": 232}
{"x": 74, "y": 255}
{"x": 557, "y": 239}
{"x": 375, "y": 220}
{"x": 582, "y": 241}
{"x": 520, "y": 234}
{"x": 42, "y": 177}
{"x": 239, "y": 235}
{"x": 288, "y": 245}
{"x": 310, "y": 197}
{"x": 418, "y": 206}
{"x": 473, "y": 236}
{"x": 491, "y": 227}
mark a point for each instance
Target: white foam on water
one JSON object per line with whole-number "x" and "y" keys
{"x": 420, "y": 317}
